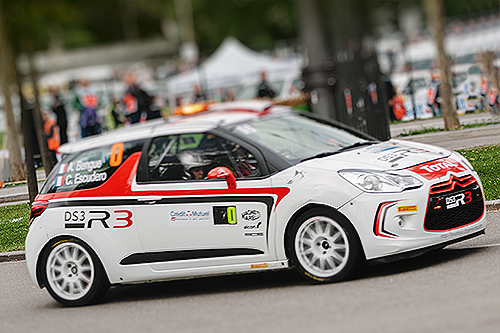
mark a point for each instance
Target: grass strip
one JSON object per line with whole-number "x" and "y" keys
{"x": 486, "y": 161}
{"x": 14, "y": 222}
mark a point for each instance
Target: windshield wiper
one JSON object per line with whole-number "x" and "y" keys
{"x": 358, "y": 144}
{"x": 330, "y": 153}
{"x": 320, "y": 155}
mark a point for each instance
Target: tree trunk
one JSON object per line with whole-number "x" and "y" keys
{"x": 435, "y": 15}
{"x": 29, "y": 144}
{"x": 8, "y": 72}
{"x": 47, "y": 158}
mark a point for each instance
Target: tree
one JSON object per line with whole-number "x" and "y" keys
{"x": 435, "y": 15}
{"x": 7, "y": 70}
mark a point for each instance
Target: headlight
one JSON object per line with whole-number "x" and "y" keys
{"x": 378, "y": 181}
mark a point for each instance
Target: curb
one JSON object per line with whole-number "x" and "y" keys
{"x": 12, "y": 256}
{"x": 14, "y": 198}
{"x": 21, "y": 255}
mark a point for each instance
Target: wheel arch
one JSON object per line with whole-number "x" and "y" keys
{"x": 52, "y": 242}
{"x": 293, "y": 219}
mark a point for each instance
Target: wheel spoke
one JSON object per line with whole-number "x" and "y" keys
{"x": 311, "y": 233}
{"x": 330, "y": 262}
{"x": 306, "y": 241}
{"x": 328, "y": 229}
{"x": 84, "y": 278}
{"x": 337, "y": 256}
{"x": 336, "y": 236}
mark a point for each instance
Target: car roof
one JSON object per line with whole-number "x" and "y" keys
{"x": 218, "y": 114}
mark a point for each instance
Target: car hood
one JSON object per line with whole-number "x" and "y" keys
{"x": 388, "y": 155}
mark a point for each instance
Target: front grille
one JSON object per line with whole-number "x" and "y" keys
{"x": 454, "y": 204}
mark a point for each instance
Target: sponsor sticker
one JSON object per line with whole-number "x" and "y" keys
{"x": 401, "y": 153}
{"x": 404, "y": 209}
{"x": 251, "y": 215}
{"x": 189, "y": 215}
{"x": 256, "y": 266}
{"x": 80, "y": 219}
{"x": 438, "y": 168}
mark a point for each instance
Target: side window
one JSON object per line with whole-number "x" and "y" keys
{"x": 89, "y": 169}
{"x": 189, "y": 157}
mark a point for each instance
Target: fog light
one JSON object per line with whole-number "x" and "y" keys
{"x": 401, "y": 222}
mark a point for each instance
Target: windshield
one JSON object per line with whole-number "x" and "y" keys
{"x": 297, "y": 137}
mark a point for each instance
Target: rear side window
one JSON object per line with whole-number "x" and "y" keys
{"x": 89, "y": 169}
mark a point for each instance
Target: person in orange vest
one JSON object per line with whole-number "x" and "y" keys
{"x": 398, "y": 106}
{"x": 485, "y": 86}
{"x": 52, "y": 132}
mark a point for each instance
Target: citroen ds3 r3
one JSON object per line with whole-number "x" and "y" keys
{"x": 238, "y": 188}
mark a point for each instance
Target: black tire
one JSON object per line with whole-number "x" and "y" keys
{"x": 324, "y": 247}
{"x": 72, "y": 273}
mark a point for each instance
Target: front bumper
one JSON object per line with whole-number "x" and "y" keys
{"x": 397, "y": 224}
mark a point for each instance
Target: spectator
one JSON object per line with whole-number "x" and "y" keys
{"x": 60, "y": 111}
{"x": 136, "y": 100}
{"x": 52, "y": 133}
{"x": 230, "y": 95}
{"x": 87, "y": 102}
{"x": 398, "y": 105}
{"x": 433, "y": 98}
{"x": 114, "y": 112}
{"x": 198, "y": 95}
{"x": 154, "y": 111}
{"x": 493, "y": 101}
{"x": 263, "y": 89}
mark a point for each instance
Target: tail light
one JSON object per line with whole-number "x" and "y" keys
{"x": 37, "y": 208}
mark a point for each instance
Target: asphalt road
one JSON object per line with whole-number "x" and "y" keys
{"x": 453, "y": 290}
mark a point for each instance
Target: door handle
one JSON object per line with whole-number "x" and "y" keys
{"x": 149, "y": 199}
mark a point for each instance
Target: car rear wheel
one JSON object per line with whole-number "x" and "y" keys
{"x": 73, "y": 274}
{"x": 324, "y": 246}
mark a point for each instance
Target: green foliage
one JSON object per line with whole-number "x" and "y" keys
{"x": 485, "y": 160}
{"x": 255, "y": 23}
{"x": 422, "y": 130}
{"x": 13, "y": 227}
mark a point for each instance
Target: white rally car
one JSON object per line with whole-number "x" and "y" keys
{"x": 242, "y": 187}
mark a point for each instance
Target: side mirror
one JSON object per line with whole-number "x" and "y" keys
{"x": 223, "y": 172}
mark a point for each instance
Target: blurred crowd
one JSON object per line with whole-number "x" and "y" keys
{"x": 84, "y": 108}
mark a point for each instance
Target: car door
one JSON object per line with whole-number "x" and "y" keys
{"x": 186, "y": 220}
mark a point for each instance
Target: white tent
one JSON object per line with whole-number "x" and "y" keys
{"x": 232, "y": 64}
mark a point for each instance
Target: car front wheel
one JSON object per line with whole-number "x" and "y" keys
{"x": 73, "y": 274}
{"x": 324, "y": 246}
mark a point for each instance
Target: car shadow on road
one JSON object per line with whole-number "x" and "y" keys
{"x": 204, "y": 286}
{"x": 432, "y": 258}
{"x": 268, "y": 279}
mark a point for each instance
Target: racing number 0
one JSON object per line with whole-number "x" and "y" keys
{"x": 231, "y": 215}
{"x": 116, "y": 157}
